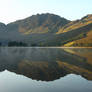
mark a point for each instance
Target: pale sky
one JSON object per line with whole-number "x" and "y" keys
{"x": 12, "y": 10}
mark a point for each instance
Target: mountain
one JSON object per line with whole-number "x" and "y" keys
{"x": 40, "y": 23}
{"x": 2, "y": 27}
{"x": 48, "y": 30}
{"x": 81, "y": 31}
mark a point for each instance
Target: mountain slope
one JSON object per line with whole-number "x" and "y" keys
{"x": 76, "y": 24}
{"x": 86, "y": 41}
{"x": 79, "y": 32}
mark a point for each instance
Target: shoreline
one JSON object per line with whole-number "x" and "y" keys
{"x": 46, "y": 47}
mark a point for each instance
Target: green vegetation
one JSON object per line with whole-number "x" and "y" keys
{"x": 0, "y": 44}
{"x": 14, "y": 43}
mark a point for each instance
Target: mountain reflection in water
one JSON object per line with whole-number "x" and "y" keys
{"x": 47, "y": 64}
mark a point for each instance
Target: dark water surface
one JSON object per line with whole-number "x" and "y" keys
{"x": 45, "y": 70}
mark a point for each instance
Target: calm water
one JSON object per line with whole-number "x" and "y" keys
{"x": 45, "y": 70}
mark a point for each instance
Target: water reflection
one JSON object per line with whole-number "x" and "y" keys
{"x": 47, "y": 64}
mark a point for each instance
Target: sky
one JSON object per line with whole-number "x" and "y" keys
{"x": 12, "y": 10}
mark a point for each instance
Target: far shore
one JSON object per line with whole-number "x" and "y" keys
{"x": 43, "y": 47}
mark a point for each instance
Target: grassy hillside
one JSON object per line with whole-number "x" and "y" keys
{"x": 76, "y": 24}
{"x": 86, "y": 41}
{"x": 80, "y": 31}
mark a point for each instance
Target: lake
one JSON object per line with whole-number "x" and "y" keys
{"x": 45, "y": 69}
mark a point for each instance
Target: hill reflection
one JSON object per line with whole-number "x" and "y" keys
{"x": 47, "y": 64}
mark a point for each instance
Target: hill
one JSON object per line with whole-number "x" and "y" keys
{"x": 40, "y": 23}
{"x": 81, "y": 31}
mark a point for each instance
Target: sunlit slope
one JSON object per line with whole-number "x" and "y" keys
{"x": 80, "y": 31}
{"x": 86, "y": 41}
{"x": 76, "y": 24}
